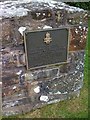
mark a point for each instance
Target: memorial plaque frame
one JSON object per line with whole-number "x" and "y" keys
{"x": 47, "y": 65}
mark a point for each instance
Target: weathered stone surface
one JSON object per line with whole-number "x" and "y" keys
{"x": 26, "y": 90}
{"x": 64, "y": 82}
{"x": 78, "y": 38}
{"x": 54, "y": 15}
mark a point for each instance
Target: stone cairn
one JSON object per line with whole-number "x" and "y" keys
{"x": 24, "y": 90}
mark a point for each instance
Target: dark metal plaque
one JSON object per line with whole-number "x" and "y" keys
{"x": 46, "y": 47}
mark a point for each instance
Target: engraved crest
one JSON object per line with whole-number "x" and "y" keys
{"x": 47, "y": 38}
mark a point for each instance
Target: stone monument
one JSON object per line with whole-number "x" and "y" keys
{"x": 43, "y": 49}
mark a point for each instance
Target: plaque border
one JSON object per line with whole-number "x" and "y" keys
{"x": 49, "y": 65}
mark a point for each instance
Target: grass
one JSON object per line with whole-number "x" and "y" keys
{"x": 74, "y": 108}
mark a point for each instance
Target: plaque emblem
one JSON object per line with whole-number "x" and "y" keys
{"x": 47, "y": 38}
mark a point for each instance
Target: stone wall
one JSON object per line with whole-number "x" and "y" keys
{"x": 35, "y": 88}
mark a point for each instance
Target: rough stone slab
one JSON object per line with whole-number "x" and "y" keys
{"x": 26, "y": 90}
{"x": 37, "y": 91}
